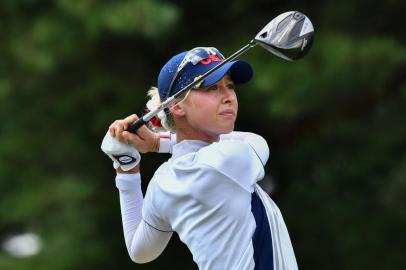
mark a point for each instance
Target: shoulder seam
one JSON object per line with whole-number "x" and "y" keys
{"x": 260, "y": 160}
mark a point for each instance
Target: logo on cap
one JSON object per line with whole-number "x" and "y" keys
{"x": 211, "y": 58}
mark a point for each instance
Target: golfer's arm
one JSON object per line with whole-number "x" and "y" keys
{"x": 144, "y": 243}
{"x": 147, "y": 243}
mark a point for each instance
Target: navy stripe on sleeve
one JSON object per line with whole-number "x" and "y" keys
{"x": 262, "y": 238}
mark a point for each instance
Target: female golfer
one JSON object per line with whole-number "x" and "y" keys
{"x": 207, "y": 191}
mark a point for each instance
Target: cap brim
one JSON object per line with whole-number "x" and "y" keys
{"x": 240, "y": 72}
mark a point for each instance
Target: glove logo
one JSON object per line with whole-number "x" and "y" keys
{"x": 124, "y": 159}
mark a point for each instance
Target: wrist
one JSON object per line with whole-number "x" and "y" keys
{"x": 136, "y": 169}
{"x": 156, "y": 144}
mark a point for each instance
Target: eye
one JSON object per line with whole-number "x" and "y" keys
{"x": 213, "y": 87}
{"x": 231, "y": 86}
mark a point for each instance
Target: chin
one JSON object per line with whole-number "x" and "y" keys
{"x": 227, "y": 130}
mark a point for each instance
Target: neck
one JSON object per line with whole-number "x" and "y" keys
{"x": 190, "y": 134}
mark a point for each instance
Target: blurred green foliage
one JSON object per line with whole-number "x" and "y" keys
{"x": 334, "y": 122}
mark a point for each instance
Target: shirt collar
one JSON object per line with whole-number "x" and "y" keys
{"x": 187, "y": 146}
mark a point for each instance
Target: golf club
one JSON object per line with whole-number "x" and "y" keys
{"x": 288, "y": 36}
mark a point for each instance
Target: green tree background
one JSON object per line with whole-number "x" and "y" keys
{"x": 335, "y": 123}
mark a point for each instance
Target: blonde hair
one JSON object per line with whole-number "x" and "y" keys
{"x": 165, "y": 116}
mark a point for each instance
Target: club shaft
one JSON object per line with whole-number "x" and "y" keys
{"x": 143, "y": 120}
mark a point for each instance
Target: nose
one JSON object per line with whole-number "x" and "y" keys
{"x": 228, "y": 95}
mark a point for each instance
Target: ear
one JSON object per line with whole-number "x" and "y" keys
{"x": 177, "y": 110}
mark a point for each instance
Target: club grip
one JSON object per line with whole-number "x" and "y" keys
{"x": 136, "y": 125}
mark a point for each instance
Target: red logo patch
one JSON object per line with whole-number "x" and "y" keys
{"x": 212, "y": 58}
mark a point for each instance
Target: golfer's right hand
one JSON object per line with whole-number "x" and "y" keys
{"x": 144, "y": 140}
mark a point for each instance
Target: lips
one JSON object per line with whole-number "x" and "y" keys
{"x": 227, "y": 113}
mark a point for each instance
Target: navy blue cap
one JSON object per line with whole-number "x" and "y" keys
{"x": 240, "y": 72}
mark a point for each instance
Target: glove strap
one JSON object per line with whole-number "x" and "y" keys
{"x": 125, "y": 159}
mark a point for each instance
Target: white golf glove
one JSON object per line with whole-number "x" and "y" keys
{"x": 123, "y": 155}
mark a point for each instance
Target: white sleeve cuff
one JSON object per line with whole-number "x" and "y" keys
{"x": 166, "y": 141}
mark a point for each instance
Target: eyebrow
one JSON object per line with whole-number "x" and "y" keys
{"x": 230, "y": 82}
{"x": 228, "y": 78}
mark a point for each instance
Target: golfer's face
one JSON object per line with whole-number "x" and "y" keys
{"x": 213, "y": 110}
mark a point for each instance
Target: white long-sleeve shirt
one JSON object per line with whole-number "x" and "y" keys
{"x": 207, "y": 193}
